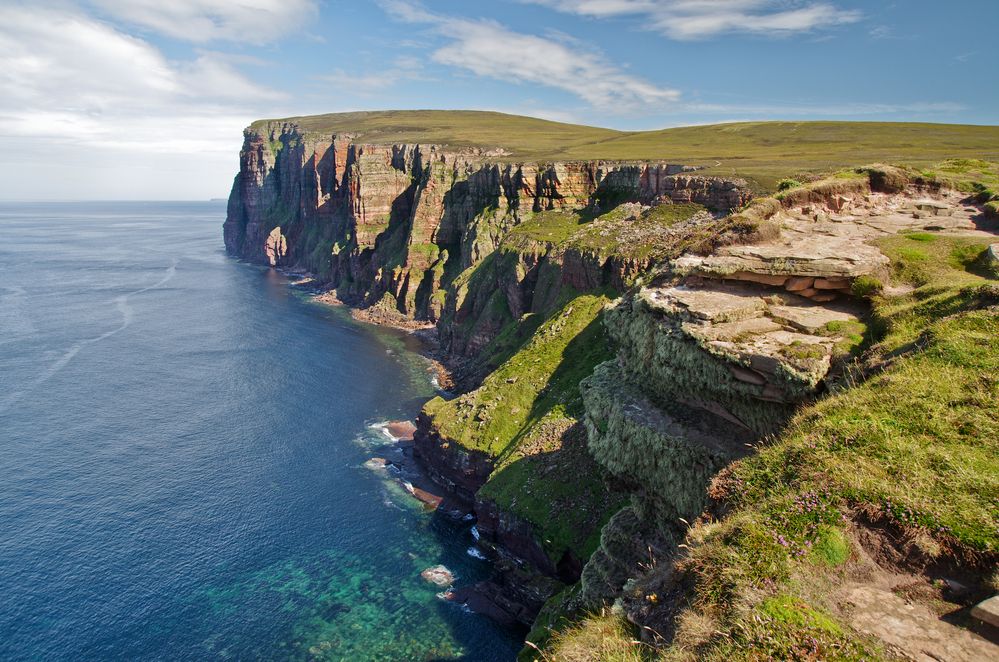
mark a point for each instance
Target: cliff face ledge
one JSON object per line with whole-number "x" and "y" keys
{"x": 728, "y": 335}
{"x": 394, "y": 225}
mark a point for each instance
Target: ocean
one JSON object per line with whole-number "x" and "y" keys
{"x": 183, "y": 440}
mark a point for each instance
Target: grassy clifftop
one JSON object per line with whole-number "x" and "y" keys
{"x": 761, "y": 151}
{"x": 871, "y": 518}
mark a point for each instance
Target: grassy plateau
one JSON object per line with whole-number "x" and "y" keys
{"x": 763, "y": 152}
{"x": 903, "y": 449}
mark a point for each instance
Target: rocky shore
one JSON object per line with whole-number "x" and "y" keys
{"x": 614, "y": 338}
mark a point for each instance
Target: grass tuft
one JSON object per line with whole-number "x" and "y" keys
{"x": 605, "y": 637}
{"x": 913, "y": 446}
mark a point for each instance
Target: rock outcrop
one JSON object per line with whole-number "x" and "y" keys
{"x": 721, "y": 349}
{"x": 393, "y": 226}
{"x": 726, "y": 324}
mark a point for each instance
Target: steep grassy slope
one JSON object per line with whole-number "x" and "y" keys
{"x": 524, "y": 416}
{"x": 893, "y": 475}
{"x": 910, "y": 451}
{"x": 761, "y": 151}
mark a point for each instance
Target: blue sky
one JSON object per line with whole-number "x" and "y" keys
{"x": 146, "y": 99}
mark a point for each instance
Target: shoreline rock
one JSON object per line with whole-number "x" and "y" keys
{"x": 439, "y": 575}
{"x": 443, "y": 366}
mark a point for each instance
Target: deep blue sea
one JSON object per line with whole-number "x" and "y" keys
{"x": 182, "y": 448}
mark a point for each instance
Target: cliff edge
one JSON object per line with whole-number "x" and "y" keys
{"x": 747, "y": 422}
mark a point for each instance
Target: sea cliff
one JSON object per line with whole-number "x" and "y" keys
{"x": 627, "y": 336}
{"x": 395, "y": 225}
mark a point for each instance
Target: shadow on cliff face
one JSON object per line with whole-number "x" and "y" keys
{"x": 545, "y": 511}
{"x": 549, "y": 505}
{"x": 575, "y": 362}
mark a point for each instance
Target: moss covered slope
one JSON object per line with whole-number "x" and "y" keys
{"x": 884, "y": 492}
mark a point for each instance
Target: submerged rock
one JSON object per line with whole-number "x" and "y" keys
{"x": 438, "y": 575}
{"x": 429, "y": 500}
{"x": 401, "y": 430}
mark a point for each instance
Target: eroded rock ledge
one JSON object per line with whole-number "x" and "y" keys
{"x": 721, "y": 349}
{"x": 715, "y": 351}
{"x": 394, "y": 225}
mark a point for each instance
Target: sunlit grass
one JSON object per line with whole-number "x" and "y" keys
{"x": 764, "y": 152}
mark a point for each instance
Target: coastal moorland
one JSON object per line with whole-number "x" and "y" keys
{"x": 720, "y": 392}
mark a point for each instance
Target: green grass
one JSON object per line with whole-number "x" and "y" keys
{"x": 971, "y": 175}
{"x": 641, "y": 237}
{"x": 541, "y": 378}
{"x": 913, "y": 446}
{"x": 761, "y": 151}
{"x": 614, "y": 232}
{"x": 788, "y": 610}
{"x": 852, "y": 334}
{"x": 524, "y": 415}
{"x": 831, "y": 546}
{"x": 919, "y": 259}
{"x": 603, "y": 637}
{"x": 553, "y": 227}
{"x": 552, "y": 482}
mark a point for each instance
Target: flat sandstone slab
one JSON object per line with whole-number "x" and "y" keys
{"x": 912, "y": 628}
{"x": 809, "y": 317}
{"x": 721, "y": 304}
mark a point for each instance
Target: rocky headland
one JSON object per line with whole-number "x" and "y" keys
{"x": 643, "y": 359}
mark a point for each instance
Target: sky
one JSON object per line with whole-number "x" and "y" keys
{"x": 147, "y": 99}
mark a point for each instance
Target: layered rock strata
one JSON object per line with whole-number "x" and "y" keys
{"x": 394, "y": 225}
{"x": 824, "y": 244}
{"x": 721, "y": 349}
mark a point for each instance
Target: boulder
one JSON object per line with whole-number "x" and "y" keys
{"x": 987, "y": 611}
{"x": 992, "y": 256}
{"x": 798, "y": 283}
{"x": 438, "y": 575}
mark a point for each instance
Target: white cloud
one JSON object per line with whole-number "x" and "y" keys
{"x": 65, "y": 75}
{"x": 489, "y": 49}
{"x": 697, "y": 19}
{"x": 72, "y": 86}
{"x": 200, "y": 21}
{"x": 403, "y": 69}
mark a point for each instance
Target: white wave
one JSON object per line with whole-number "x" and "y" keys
{"x": 383, "y": 428}
{"x": 475, "y": 533}
{"x": 475, "y": 553}
{"x": 468, "y": 517}
{"x": 127, "y": 316}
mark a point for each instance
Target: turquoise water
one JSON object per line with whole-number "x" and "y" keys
{"x": 182, "y": 448}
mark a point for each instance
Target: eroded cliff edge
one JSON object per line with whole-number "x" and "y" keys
{"x": 587, "y": 432}
{"x": 394, "y": 225}
{"x": 513, "y": 262}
